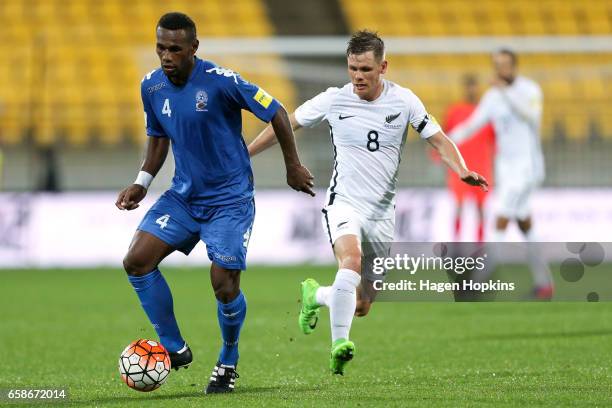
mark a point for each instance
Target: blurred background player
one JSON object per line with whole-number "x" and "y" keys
{"x": 197, "y": 106}
{"x": 513, "y": 105}
{"x": 368, "y": 120}
{"x": 477, "y": 151}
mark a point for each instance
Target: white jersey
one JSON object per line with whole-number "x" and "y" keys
{"x": 516, "y": 114}
{"x": 367, "y": 138}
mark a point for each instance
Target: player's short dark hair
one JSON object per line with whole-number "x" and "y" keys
{"x": 363, "y": 41}
{"x": 509, "y": 53}
{"x": 469, "y": 79}
{"x": 178, "y": 21}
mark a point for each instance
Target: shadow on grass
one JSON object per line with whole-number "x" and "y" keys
{"x": 278, "y": 389}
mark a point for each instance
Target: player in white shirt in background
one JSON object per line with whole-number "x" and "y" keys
{"x": 514, "y": 105}
{"x": 368, "y": 120}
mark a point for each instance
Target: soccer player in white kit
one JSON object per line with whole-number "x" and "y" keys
{"x": 514, "y": 105}
{"x": 368, "y": 120}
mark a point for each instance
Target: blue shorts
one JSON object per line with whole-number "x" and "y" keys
{"x": 224, "y": 229}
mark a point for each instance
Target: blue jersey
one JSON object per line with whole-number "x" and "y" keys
{"x": 203, "y": 121}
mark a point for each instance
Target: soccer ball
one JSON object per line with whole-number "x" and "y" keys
{"x": 144, "y": 365}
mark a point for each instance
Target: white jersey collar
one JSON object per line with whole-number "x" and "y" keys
{"x": 380, "y": 97}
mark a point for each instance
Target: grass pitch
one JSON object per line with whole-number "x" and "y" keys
{"x": 66, "y": 328}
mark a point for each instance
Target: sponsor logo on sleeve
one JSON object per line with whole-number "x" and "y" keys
{"x": 263, "y": 98}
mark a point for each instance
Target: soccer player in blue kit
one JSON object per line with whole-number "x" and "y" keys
{"x": 196, "y": 106}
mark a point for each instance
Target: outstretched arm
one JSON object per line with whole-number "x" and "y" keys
{"x": 157, "y": 150}
{"x": 298, "y": 176}
{"x": 267, "y": 137}
{"x": 479, "y": 118}
{"x": 452, "y": 158}
{"x": 528, "y": 108}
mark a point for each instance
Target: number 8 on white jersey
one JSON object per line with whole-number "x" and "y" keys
{"x": 367, "y": 139}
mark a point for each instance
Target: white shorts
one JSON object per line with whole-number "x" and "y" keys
{"x": 375, "y": 235}
{"x": 514, "y": 199}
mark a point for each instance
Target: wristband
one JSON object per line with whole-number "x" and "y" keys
{"x": 144, "y": 179}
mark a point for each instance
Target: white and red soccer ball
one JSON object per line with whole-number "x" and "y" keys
{"x": 144, "y": 365}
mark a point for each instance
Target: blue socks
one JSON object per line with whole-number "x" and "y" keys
{"x": 231, "y": 316}
{"x": 156, "y": 300}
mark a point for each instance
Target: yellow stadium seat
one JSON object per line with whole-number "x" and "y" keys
{"x": 79, "y": 127}
{"x": 593, "y": 89}
{"x": 558, "y": 90}
{"x": 605, "y": 123}
{"x": 72, "y": 57}
{"x": 12, "y": 122}
{"x": 598, "y": 20}
{"x": 92, "y": 52}
{"x": 108, "y": 126}
{"x": 576, "y": 123}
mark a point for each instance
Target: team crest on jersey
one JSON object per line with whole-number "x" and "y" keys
{"x": 201, "y": 101}
{"x": 390, "y": 119}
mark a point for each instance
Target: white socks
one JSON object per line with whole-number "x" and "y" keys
{"x": 323, "y": 295}
{"x": 342, "y": 301}
{"x": 496, "y": 237}
{"x": 539, "y": 268}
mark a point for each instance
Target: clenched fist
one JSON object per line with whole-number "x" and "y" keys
{"x": 129, "y": 197}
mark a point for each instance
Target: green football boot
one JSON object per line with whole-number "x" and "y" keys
{"x": 342, "y": 352}
{"x": 309, "y": 314}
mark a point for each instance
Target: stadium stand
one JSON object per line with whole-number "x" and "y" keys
{"x": 74, "y": 67}
{"x": 486, "y": 17}
{"x": 580, "y": 104}
{"x": 312, "y": 17}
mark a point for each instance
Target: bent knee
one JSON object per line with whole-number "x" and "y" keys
{"x": 227, "y": 288}
{"x": 225, "y": 291}
{"x": 362, "y": 308}
{"x": 135, "y": 265}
